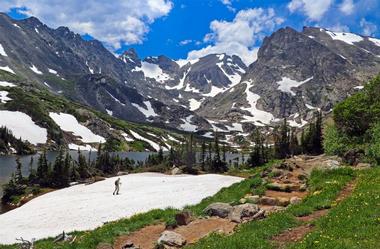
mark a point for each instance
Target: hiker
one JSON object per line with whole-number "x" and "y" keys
{"x": 117, "y": 186}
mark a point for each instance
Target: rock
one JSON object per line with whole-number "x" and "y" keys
{"x": 183, "y": 218}
{"x": 303, "y": 188}
{"x": 284, "y": 187}
{"x": 283, "y": 202}
{"x": 219, "y": 209}
{"x": 253, "y": 199}
{"x": 170, "y": 239}
{"x": 353, "y": 156}
{"x": 129, "y": 245}
{"x": 104, "y": 246}
{"x": 243, "y": 200}
{"x": 176, "y": 171}
{"x": 295, "y": 200}
{"x": 363, "y": 165}
{"x": 332, "y": 164}
{"x": 274, "y": 209}
{"x": 240, "y": 212}
{"x": 270, "y": 201}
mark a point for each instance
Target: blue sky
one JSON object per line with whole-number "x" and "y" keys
{"x": 192, "y": 28}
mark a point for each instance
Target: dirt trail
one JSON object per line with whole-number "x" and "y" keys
{"x": 298, "y": 233}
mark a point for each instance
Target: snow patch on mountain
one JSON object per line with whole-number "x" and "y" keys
{"x": 22, "y": 126}
{"x": 187, "y": 125}
{"x": 348, "y": 38}
{"x": 181, "y": 83}
{"x": 8, "y": 69}
{"x": 35, "y": 69}
{"x": 6, "y": 84}
{"x": 155, "y": 145}
{"x": 2, "y": 51}
{"x": 286, "y": 84}
{"x": 194, "y": 104}
{"x": 259, "y": 117}
{"x": 151, "y": 70}
{"x": 116, "y": 99}
{"x": 52, "y": 71}
{"x": 183, "y": 62}
{"x": 69, "y": 123}
{"x": 127, "y": 137}
{"x": 374, "y": 40}
{"x": 4, "y": 97}
{"x": 148, "y": 111}
{"x": 86, "y": 147}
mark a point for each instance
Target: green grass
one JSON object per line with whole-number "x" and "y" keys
{"x": 257, "y": 234}
{"x": 354, "y": 223}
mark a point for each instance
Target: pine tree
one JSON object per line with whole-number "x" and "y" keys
{"x": 203, "y": 155}
{"x": 18, "y": 173}
{"x": 43, "y": 170}
{"x": 58, "y": 170}
{"x": 83, "y": 170}
{"x": 32, "y": 172}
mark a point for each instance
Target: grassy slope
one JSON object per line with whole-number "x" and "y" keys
{"x": 38, "y": 102}
{"x": 355, "y": 223}
{"x": 257, "y": 234}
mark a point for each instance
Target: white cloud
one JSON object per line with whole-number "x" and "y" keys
{"x": 368, "y": 28}
{"x": 240, "y": 35}
{"x": 228, "y": 4}
{"x": 347, "y": 7}
{"x": 314, "y": 9}
{"x": 339, "y": 28}
{"x": 185, "y": 42}
{"x": 114, "y": 22}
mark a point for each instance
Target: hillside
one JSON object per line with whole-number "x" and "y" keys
{"x": 48, "y": 121}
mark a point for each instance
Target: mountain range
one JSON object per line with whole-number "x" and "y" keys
{"x": 295, "y": 74}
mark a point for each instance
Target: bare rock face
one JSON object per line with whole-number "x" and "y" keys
{"x": 170, "y": 240}
{"x": 219, "y": 209}
{"x": 295, "y": 200}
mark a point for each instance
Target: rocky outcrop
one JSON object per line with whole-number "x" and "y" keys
{"x": 219, "y": 209}
{"x": 170, "y": 240}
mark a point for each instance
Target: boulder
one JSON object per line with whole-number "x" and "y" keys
{"x": 270, "y": 201}
{"x": 243, "y": 200}
{"x": 243, "y": 211}
{"x": 353, "y": 156}
{"x": 253, "y": 199}
{"x": 104, "y": 246}
{"x": 219, "y": 209}
{"x": 176, "y": 171}
{"x": 170, "y": 239}
{"x": 284, "y": 187}
{"x": 282, "y": 201}
{"x": 295, "y": 200}
{"x": 183, "y": 218}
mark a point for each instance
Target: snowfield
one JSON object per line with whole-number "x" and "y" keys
{"x": 23, "y": 126}
{"x": 84, "y": 207}
{"x": 69, "y": 123}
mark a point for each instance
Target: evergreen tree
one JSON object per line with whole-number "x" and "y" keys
{"x": 58, "y": 170}
{"x": 18, "y": 174}
{"x": 83, "y": 170}
{"x": 217, "y": 165}
{"x": 43, "y": 170}
{"x": 203, "y": 155}
{"x": 32, "y": 172}
{"x": 160, "y": 155}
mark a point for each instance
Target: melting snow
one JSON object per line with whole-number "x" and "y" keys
{"x": 117, "y": 100}
{"x": 374, "y": 40}
{"x": 214, "y": 91}
{"x": 194, "y": 104}
{"x": 109, "y": 112}
{"x": 286, "y": 84}
{"x": 220, "y": 56}
{"x": 6, "y": 84}
{"x": 69, "y": 123}
{"x": 148, "y": 111}
{"x": 258, "y": 116}
{"x": 52, "y": 71}
{"x": 310, "y": 106}
{"x": 234, "y": 78}
{"x": 359, "y": 87}
{"x": 183, "y": 62}
{"x": 35, "y": 69}
{"x": 8, "y": 69}
{"x": 2, "y": 51}
{"x": 4, "y": 97}
{"x": 156, "y": 146}
{"x": 181, "y": 83}
{"x": 188, "y": 126}
{"x": 127, "y": 137}
{"x": 85, "y": 207}
{"x": 46, "y": 84}
{"x": 153, "y": 71}
{"x": 348, "y": 38}
{"x": 81, "y": 147}
{"x": 23, "y": 126}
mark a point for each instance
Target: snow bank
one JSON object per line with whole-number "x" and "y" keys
{"x": 187, "y": 125}
{"x": 4, "y": 97}
{"x": 86, "y": 147}
{"x": 155, "y": 145}
{"x": 286, "y": 84}
{"x": 148, "y": 111}
{"x": 35, "y": 69}
{"x": 84, "y": 207}
{"x": 194, "y": 104}
{"x": 8, "y": 69}
{"x": 153, "y": 71}
{"x": 6, "y": 84}
{"x": 23, "y": 126}
{"x": 2, "y": 51}
{"x": 69, "y": 123}
{"x": 348, "y": 38}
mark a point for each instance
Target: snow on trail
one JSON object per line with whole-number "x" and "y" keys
{"x": 84, "y": 207}
{"x": 69, "y": 123}
{"x": 23, "y": 126}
